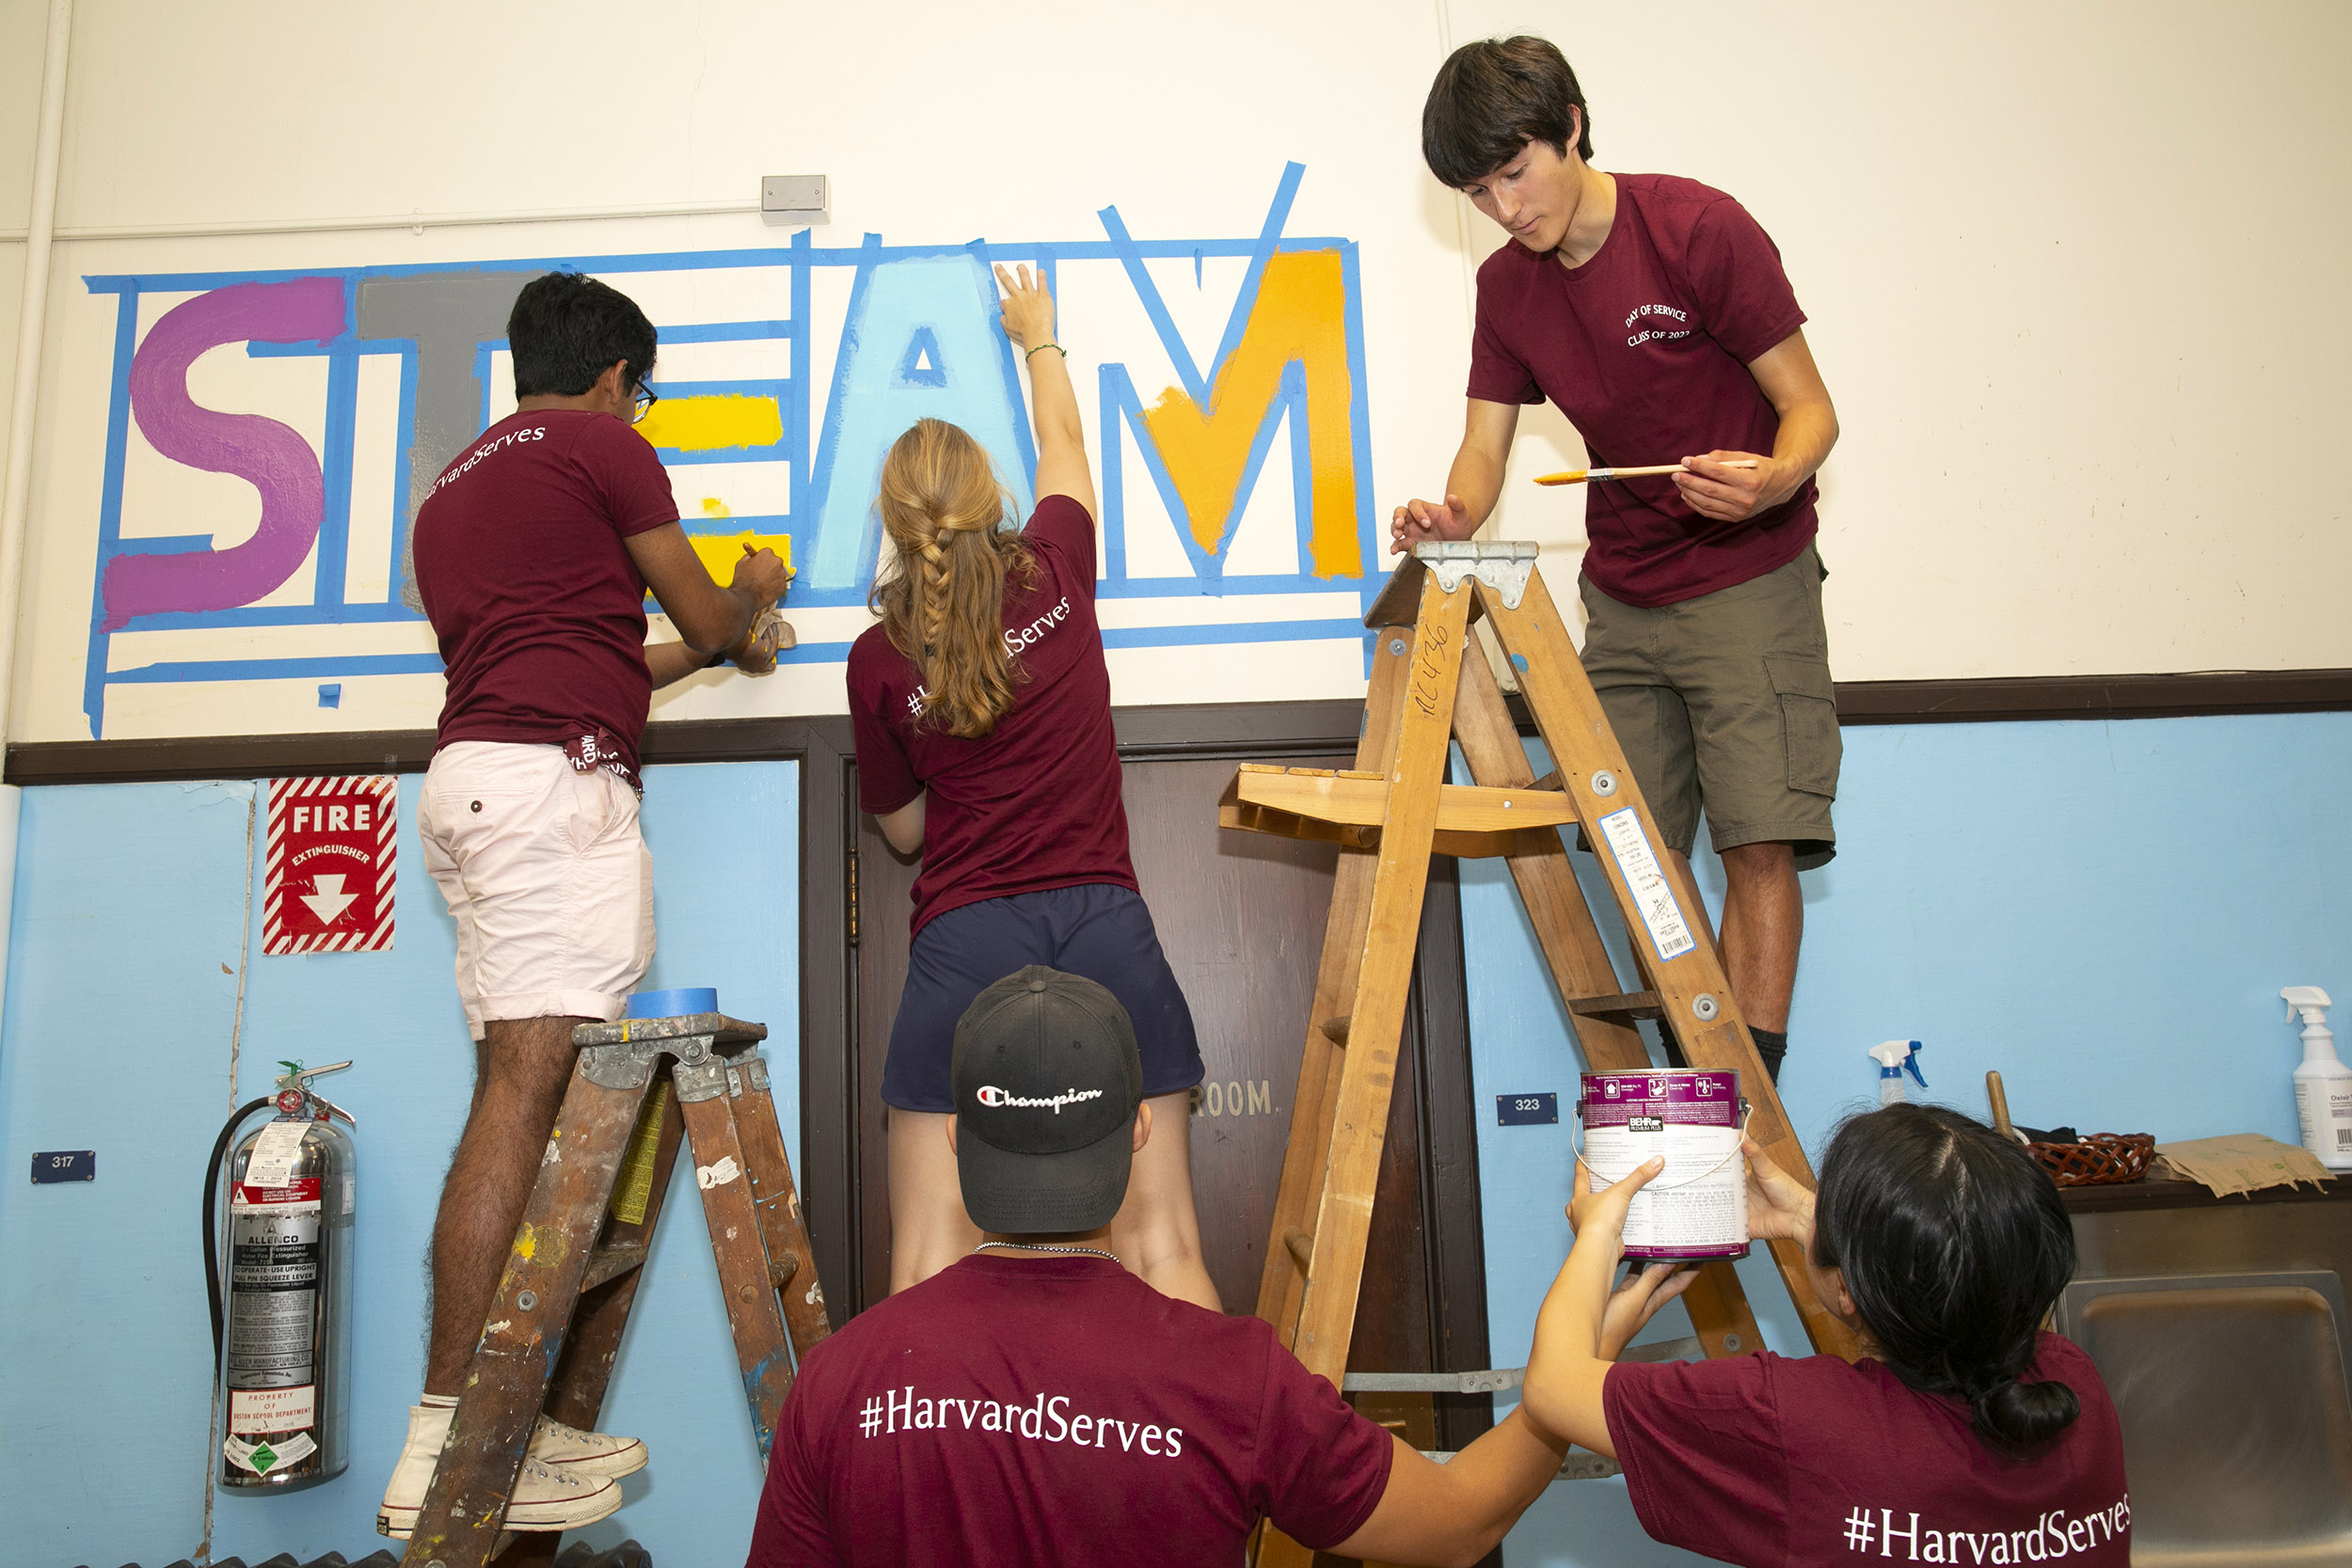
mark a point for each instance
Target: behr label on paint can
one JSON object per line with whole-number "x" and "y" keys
{"x": 1697, "y": 1207}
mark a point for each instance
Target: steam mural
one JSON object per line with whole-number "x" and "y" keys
{"x": 269, "y": 435}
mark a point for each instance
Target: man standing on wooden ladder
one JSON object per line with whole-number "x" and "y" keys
{"x": 1654, "y": 312}
{"x": 533, "y": 555}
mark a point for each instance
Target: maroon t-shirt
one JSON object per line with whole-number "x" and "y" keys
{"x": 1034, "y": 1411}
{"x": 1034, "y": 803}
{"x": 1645, "y": 349}
{"x": 1780, "y": 1464}
{"x": 540, "y": 609}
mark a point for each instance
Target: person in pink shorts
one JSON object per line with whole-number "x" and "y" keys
{"x": 534, "y": 552}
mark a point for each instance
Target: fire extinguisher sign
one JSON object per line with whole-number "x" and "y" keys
{"x": 327, "y": 879}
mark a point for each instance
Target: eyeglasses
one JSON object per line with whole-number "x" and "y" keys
{"x": 643, "y": 403}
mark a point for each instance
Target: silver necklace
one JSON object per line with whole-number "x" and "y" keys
{"x": 1044, "y": 1247}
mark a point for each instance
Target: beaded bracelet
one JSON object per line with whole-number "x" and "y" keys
{"x": 1041, "y": 347}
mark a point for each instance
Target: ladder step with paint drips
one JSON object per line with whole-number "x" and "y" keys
{"x": 555, "y": 1323}
{"x": 1389, "y": 815}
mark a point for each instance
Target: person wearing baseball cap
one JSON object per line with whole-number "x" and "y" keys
{"x": 1037, "y": 1403}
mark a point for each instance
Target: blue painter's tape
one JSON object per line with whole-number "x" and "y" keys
{"x": 676, "y": 1003}
{"x": 1527, "y": 1110}
{"x": 331, "y": 694}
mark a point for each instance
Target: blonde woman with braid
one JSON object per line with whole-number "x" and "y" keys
{"x": 982, "y": 709}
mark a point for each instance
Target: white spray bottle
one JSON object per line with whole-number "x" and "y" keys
{"x": 1893, "y": 1056}
{"x": 2322, "y": 1084}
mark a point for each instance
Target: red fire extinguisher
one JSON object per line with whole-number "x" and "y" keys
{"x": 281, "y": 1318}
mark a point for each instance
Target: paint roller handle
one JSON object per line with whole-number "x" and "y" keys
{"x": 1999, "y": 1100}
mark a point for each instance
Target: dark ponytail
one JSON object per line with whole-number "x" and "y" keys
{"x": 1954, "y": 1246}
{"x": 2022, "y": 1416}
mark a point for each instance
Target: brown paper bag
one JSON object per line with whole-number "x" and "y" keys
{"x": 2236, "y": 1163}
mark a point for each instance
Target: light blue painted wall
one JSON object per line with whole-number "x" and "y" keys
{"x": 130, "y": 901}
{"x": 2102, "y": 911}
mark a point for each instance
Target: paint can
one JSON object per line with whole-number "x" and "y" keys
{"x": 1697, "y": 1207}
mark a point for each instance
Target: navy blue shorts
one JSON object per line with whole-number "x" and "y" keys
{"x": 1100, "y": 931}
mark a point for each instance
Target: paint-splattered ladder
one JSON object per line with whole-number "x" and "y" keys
{"x": 581, "y": 1246}
{"x": 1389, "y": 816}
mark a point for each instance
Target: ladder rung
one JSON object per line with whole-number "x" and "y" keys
{"x": 1335, "y": 1029}
{"x": 1549, "y": 781}
{"x": 1627, "y": 1004}
{"x": 1500, "y": 1379}
{"x": 1493, "y": 1381}
{"x": 610, "y": 1262}
{"x": 1301, "y": 1246}
{"x": 1579, "y": 1466}
{"x": 1363, "y": 802}
{"x": 780, "y": 1270}
{"x": 1688, "y": 1348}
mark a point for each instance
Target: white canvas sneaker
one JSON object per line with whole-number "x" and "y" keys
{"x": 591, "y": 1453}
{"x": 546, "y": 1496}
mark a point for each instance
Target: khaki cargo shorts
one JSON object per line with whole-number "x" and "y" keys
{"x": 1724, "y": 704}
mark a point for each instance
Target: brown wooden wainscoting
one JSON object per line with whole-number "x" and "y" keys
{"x": 1257, "y": 728}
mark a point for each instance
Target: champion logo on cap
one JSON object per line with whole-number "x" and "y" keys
{"x": 993, "y": 1098}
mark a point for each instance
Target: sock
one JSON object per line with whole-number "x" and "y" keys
{"x": 438, "y": 1402}
{"x": 1771, "y": 1044}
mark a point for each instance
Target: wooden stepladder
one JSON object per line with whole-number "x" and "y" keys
{"x": 1389, "y": 816}
{"x": 582, "y": 1244}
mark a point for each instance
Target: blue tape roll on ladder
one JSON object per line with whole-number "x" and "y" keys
{"x": 674, "y": 1003}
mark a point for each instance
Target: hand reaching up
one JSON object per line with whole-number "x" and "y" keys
{"x": 1027, "y": 308}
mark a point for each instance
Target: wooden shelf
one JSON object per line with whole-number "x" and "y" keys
{"x": 2122, "y": 1196}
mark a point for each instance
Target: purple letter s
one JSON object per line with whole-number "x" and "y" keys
{"x": 272, "y": 458}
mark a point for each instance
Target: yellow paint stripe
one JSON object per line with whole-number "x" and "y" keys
{"x": 720, "y": 551}
{"x": 712, "y": 422}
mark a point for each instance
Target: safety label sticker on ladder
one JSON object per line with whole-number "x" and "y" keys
{"x": 1653, "y": 896}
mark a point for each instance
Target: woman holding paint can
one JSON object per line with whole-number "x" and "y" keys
{"x": 981, "y": 706}
{"x": 1966, "y": 1434}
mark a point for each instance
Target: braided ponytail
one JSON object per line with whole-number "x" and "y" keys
{"x": 942, "y": 600}
{"x": 1954, "y": 1246}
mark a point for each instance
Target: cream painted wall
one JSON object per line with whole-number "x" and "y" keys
{"x": 2071, "y": 270}
{"x": 2067, "y": 266}
{"x": 24, "y": 27}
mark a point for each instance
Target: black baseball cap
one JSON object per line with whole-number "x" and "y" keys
{"x": 1046, "y": 1084}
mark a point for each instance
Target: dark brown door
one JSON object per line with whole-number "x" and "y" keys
{"x": 1241, "y": 917}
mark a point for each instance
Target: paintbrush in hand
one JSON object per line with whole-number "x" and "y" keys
{"x": 1593, "y": 476}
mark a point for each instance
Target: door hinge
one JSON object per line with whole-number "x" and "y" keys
{"x": 854, "y": 892}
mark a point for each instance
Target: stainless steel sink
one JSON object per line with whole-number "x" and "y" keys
{"x": 2236, "y": 1413}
